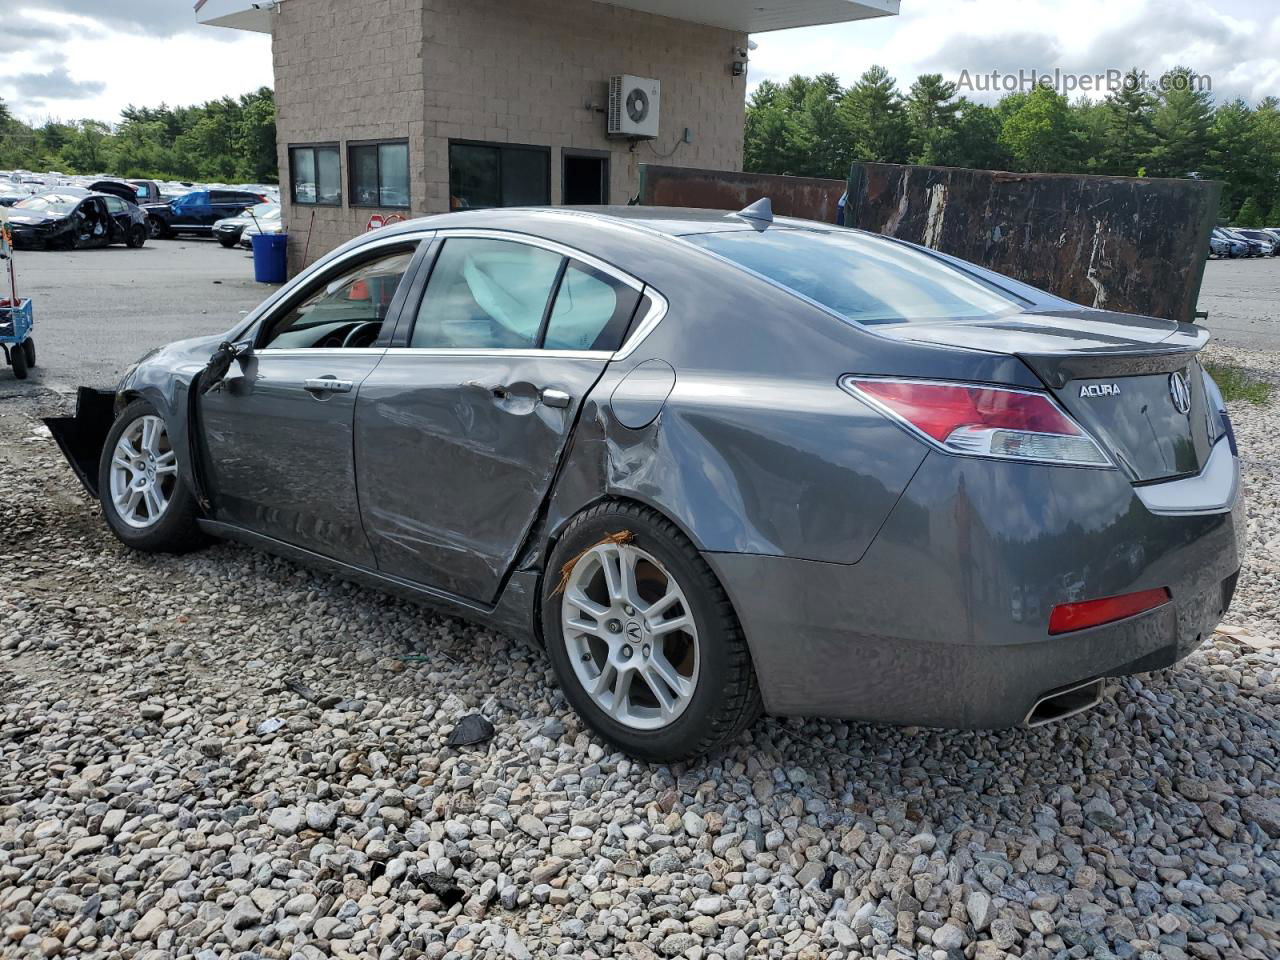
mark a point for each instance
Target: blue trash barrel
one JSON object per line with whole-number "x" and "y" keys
{"x": 269, "y": 259}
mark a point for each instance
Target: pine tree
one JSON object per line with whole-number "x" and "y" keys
{"x": 873, "y": 112}
{"x": 1129, "y": 134}
{"x": 1181, "y": 122}
{"x": 931, "y": 109}
{"x": 1250, "y": 214}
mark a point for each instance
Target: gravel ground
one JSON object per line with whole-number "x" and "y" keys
{"x": 224, "y": 755}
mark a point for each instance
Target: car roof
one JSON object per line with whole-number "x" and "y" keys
{"x": 672, "y": 221}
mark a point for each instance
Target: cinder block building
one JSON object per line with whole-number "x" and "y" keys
{"x": 408, "y": 107}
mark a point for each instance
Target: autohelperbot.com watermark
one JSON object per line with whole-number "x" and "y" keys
{"x": 1068, "y": 82}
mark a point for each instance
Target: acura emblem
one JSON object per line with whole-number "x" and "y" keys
{"x": 1180, "y": 392}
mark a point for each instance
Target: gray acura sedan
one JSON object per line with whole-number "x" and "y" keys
{"x": 717, "y": 464}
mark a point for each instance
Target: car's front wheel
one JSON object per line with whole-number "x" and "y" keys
{"x": 642, "y": 637}
{"x": 157, "y": 229}
{"x": 145, "y": 501}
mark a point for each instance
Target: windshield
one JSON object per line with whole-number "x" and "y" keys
{"x": 862, "y": 277}
{"x": 53, "y": 204}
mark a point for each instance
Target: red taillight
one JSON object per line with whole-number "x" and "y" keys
{"x": 981, "y": 420}
{"x": 1067, "y": 617}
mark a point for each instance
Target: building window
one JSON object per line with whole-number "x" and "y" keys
{"x": 498, "y": 175}
{"x": 379, "y": 174}
{"x": 315, "y": 177}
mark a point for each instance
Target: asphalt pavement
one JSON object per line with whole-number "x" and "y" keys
{"x": 1243, "y": 300}
{"x": 96, "y": 311}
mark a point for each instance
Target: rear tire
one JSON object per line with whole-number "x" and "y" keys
{"x": 138, "y": 234}
{"x": 29, "y": 350}
{"x": 657, "y": 693}
{"x": 146, "y": 502}
{"x": 18, "y": 360}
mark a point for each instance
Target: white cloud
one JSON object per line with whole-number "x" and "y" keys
{"x": 72, "y": 65}
{"x": 1235, "y": 42}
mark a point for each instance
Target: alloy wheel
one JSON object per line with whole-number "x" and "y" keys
{"x": 144, "y": 472}
{"x": 630, "y": 635}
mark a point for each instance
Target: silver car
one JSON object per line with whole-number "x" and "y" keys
{"x": 717, "y": 464}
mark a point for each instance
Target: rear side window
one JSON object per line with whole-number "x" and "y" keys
{"x": 114, "y": 204}
{"x": 592, "y": 311}
{"x": 864, "y": 278}
{"x": 486, "y": 294}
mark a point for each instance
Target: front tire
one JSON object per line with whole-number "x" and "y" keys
{"x": 18, "y": 360}
{"x": 228, "y": 242}
{"x": 144, "y": 498}
{"x": 642, "y": 637}
{"x": 29, "y": 351}
{"x": 157, "y": 229}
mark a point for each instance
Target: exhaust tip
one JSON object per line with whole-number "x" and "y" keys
{"x": 1064, "y": 703}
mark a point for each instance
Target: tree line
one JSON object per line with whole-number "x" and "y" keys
{"x": 814, "y": 127}
{"x": 229, "y": 140}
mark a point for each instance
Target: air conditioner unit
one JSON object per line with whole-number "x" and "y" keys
{"x": 633, "y": 107}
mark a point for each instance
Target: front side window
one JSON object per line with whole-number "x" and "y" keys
{"x": 314, "y": 176}
{"x": 864, "y": 278}
{"x": 498, "y": 175}
{"x": 380, "y": 174}
{"x": 486, "y": 294}
{"x": 345, "y": 310}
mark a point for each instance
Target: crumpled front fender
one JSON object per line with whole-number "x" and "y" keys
{"x": 81, "y": 437}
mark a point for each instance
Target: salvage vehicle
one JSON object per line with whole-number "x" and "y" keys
{"x": 196, "y": 212}
{"x": 1269, "y": 247}
{"x": 271, "y": 222}
{"x": 227, "y": 231}
{"x": 715, "y": 463}
{"x": 66, "y": 220}
{"x": 1235, "y": 246}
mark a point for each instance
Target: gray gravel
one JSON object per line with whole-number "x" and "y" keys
{"x": 225, "y": 755}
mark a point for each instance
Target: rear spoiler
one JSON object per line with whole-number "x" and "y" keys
{"x": 81, "y": 438}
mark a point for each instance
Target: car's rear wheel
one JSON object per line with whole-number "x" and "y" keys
{"x": 138, "y": 234}
{"x": 146, "y": 502}
{"x": 642, "y": 637}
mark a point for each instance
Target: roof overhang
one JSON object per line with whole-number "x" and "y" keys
{"x": 761, "y": 16}
{"x": 744, "y": 16}
{"x": 236, "y": 14}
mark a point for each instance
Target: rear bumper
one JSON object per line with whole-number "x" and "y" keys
{"x": 944, "y": 622}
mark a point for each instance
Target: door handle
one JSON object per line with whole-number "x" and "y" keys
{"x": 555, "y": 398}
{"x": 327, "y": 385}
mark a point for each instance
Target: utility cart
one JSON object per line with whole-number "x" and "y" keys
{"x": 15, "y": 316}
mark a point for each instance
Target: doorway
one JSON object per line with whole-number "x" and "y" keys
{"x": 586, "y": 177}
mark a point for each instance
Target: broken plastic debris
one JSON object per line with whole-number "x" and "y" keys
{"x": 471, "y": 729}
{"x": 270, "y": 725}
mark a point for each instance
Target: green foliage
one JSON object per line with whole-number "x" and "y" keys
{"x": 1236, "y": 384}
{"x": 229, "y": 140}
{"x": 1169, "y": 128}
{"x": 1250, "y": 214}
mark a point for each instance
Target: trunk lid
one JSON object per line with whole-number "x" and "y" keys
{"x": 1135, "y": 383}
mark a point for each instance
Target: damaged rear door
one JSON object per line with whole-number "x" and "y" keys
{"x": 460, "y": 429}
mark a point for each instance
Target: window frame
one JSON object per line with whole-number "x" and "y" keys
{"x": 333, "y": 145}
{"x": 501, "y": 147}
{"x": 581, "y": 153}
{"x": 351, "y": 173}
{"x": 417, "y": 243}
{"x": 640, "y": 327}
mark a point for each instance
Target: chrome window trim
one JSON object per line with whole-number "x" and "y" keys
{"x": 499, "y": 352}
{"x": 646, "y": 326}
{"x": 317, "y": 351}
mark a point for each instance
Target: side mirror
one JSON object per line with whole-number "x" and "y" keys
{"x": 215, "y": 370}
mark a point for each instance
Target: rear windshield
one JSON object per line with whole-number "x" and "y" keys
{"x": 862, "y": 277}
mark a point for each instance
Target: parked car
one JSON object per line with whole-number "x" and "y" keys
{"x": 715, "y": 464}
{"x": 1236, "y": 246}
{"x": 66, "y": 219}
{"x": 228, "y": 231}
{"x": 1269, "y": 245}
{"x": 271, "y": 222}
{"x": 197, "y": 211}
{"x": 1255, "y": 248}
{"x": 1218, "y": 247}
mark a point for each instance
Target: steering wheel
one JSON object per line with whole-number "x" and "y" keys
{"x": 362, "y": 334}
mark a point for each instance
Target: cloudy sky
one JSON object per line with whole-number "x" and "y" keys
{"x": 89, "y": 58}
